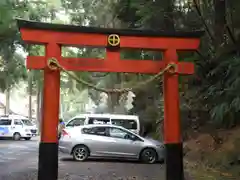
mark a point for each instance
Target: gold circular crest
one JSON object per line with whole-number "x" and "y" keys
{"x": 114, "y": 40}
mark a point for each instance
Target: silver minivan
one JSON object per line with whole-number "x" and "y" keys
{"x": 109, "y": 141}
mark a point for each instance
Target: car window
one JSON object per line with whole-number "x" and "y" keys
{"x": 100, "y": 131}
{"x": 17, "y": 122}
{"x": 120, "y": 133}
{"x": 126, "y": 123}
{"x": 76, "y": 122}
{"x": 27, "y": 122}
{"x": 87, "y": 130}
{"x": 93, "y": 120}
{"x": 5, "y": 122}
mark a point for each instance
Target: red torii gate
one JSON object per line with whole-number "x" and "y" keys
{"x": 53, "y": 36}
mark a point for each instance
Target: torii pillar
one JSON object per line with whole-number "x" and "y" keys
{"x": 53, "y": 36}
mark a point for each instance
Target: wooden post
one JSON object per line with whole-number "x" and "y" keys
{"x": 48, "y": 148}
{"x": 172, "y": 134}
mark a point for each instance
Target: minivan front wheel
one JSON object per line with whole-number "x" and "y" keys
{"x": 80, "y": 153}
{"x": 16, "y": 136}
{"x": 149, "y": 156}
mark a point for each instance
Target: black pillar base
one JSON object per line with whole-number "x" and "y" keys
{"x": 174, "y": 162}
{"x": 48, "y": 161}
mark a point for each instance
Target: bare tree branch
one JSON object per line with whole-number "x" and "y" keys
{"x": 100, "y": 76}
{"x": 201, "y": 55}
{"x": 230, "y": 33}
{"x": 203, "y": 20}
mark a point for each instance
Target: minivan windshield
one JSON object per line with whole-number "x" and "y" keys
{"x": 27, "y": 122}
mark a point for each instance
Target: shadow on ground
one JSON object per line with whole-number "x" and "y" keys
{"x": 124, "y": 161}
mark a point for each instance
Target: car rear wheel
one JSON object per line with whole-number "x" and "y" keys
{"x": 80, "y": 153}
{"x": 27, "y": 138}
{"x": 16, "y": 136}
{"x": 149, "y": 156}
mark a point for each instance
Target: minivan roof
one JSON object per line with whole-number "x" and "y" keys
{"x": 13, "y": 116}
{"x": 108, "y": 115}
{"x": 99, "y": 125}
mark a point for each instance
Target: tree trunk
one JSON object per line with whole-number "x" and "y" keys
{"x": 113, "y": 98}
{"x": 61, "y": 106}
{"x": 30, "y": 89}
{"x": 220, "y": 22}
{"x": 38, "y": 105}
{"x": 41, "y": 112}
{"x": 7, "y": 96}
{"x": 168, "y": 16}
{"x": 113, "y": 101}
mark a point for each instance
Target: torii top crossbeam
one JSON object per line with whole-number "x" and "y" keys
{"x": 69, "y": 35}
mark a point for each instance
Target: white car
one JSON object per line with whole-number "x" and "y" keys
{"x": 17, "y": 127}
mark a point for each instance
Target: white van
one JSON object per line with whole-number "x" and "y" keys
{"x": 130, "y": 122}
{"x": 17, "y": 127}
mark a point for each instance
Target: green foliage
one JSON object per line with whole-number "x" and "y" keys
{"x": 148, "y": 106}
{"x": 13, "y": 68}
{"x": 12, "y": 72}
{"x": 215, "y": 86}
{"x": 221, "y": 93}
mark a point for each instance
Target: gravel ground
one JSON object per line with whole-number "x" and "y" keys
{"x": 95, "y": 170}
{"x": 18, "y": 161}
{"x": 32, "y": 175}
{"x": 90, "y": 170}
